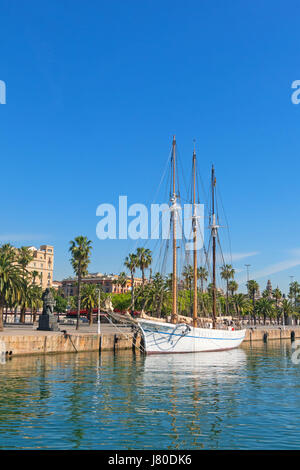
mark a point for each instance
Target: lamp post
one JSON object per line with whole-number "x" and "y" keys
{"x": 98, "y": 315}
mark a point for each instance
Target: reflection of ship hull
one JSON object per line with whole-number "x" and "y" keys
{"x": 165, "y": 338}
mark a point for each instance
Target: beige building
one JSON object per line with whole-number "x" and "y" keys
{"x": 108, "y": 282}
{"x": 42, "y": 263}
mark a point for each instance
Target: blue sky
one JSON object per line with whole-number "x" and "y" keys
{"x": 95, "y": 91}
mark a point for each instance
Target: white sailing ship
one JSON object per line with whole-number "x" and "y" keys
{"x": 174, "y": 337}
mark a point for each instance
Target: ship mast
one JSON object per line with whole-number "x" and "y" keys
{"x": 173, "y": 200}
{"x": 214, "y": 232}
{"x": 194, "y": 221}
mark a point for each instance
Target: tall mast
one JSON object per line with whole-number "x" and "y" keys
{"x": 174, "y": 278}
{"x": 214, "y": 231}
{"x": 195, "y": 241}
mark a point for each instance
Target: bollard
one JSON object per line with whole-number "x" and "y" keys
{"x": 265, "y": 337}
{"x": 292, "y": 336}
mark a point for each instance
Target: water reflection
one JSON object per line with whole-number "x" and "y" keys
{"x": 233, "y": 399}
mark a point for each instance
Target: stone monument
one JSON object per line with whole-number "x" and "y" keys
{"x": 48, "y": 321}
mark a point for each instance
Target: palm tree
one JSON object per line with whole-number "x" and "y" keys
{"x": 121, "y": 280}
{"x": 11, "y": 280}
{"x": 264, "y": 307}
{"x": 242, "y": 304}
{"x": 294, "y": 291}
{"x": 24, "y": 257}
{"x": 89, "y": 299}
{"x": 188, "y": 275}
{"x": 227, "y": 273}
{"x": 156, "y": 294}
{"x": 277, "y": 294}
{"x": 144, "y": 260}
{"x": 34, "y": 275}
{"x": 80, "y": 249}
{"x": 34, "y": 299}
{"x": 253, "y": 288}
{"x": 287, "y": 309}
{"x": 131, "y": 263}
{"x": 202, "y": 275}
{"x": 232, "y": 287}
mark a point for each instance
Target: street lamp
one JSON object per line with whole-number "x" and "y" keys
{"x": 98, "y": 315}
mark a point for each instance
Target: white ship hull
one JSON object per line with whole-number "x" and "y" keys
{"x": 165, "y": 338}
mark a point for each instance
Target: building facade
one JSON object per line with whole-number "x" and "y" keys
{"x": 42, "y": 264}
{"x": 108, "y": 283}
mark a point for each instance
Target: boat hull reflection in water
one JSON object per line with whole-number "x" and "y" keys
{"x": 181, "y": 338}
{"x": 203, "y": 365}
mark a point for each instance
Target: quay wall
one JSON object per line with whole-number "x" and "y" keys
{"x": 18, "y": 344}
{"x": 266, "y": 334}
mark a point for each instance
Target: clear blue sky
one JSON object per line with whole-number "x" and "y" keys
{"x": 95, "y": 91}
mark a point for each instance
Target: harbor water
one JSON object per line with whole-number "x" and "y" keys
{"x": 248, "y": 398}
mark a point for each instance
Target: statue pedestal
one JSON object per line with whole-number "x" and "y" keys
{"x": 48, "y": 322}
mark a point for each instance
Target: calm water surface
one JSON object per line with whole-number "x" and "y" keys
{"x": 247, "y": 398}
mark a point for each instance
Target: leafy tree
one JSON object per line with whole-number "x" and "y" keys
{"x": 242, "y": 304}
{"x": 121, "y": 280}
{"x": 188, "y": 276}
{"x": 34, "y": 299}
{"x": 34, "y": 275}
{"x": 294, "y": 291}
{"x": 121, "y": 302}
{"x": 24, "y": 257}
{"x": 287, "y": 309}
{"x": 277, "y": 294}
{"x": 131, "y": 263}
{"x": 89, "y": 299}
{"x": 80, "y": 249}
{"x": 227, "y": 273}
{"x": 253, "y": 288}
{"x": 203, "y": 276}
{"x": 11, "y": 280}
{"x": 60, "y": 304}
{"x": 232, "y": 287}
{"x": 144, "y": 260}
{"x": 265, "y": 307}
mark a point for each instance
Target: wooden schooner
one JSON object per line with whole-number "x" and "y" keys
{"x": 179, "y": 337}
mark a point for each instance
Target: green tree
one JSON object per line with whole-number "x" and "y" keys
{"x": 80, "y": 249}
{"x": 264, "y": 307}
{"x": 188, "y": 276}
{"x": 121, "y": 280}
{"x": 34, "y": 299}
{"x": 232, "y": 287}
{"x": 287, "y": 309}
{"x": 242, "y": 305}
{"x": 203, "y": 276}
{"x": 253, "y": 288}
{"x": 294, "y": 291}
{"x": 227, "y": 273}
{"x": 89, "y": 299}
{"x": 11, "y": 280}
{"x": 131, "y": 263}
{"x": 24, "y": 257}
{"x": 144, "y": 260}
{"x": 277, "y": 294}
{"x": 34, "y": 275}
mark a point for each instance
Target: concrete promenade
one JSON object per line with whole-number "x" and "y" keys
{"x": 25, "y": 339}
